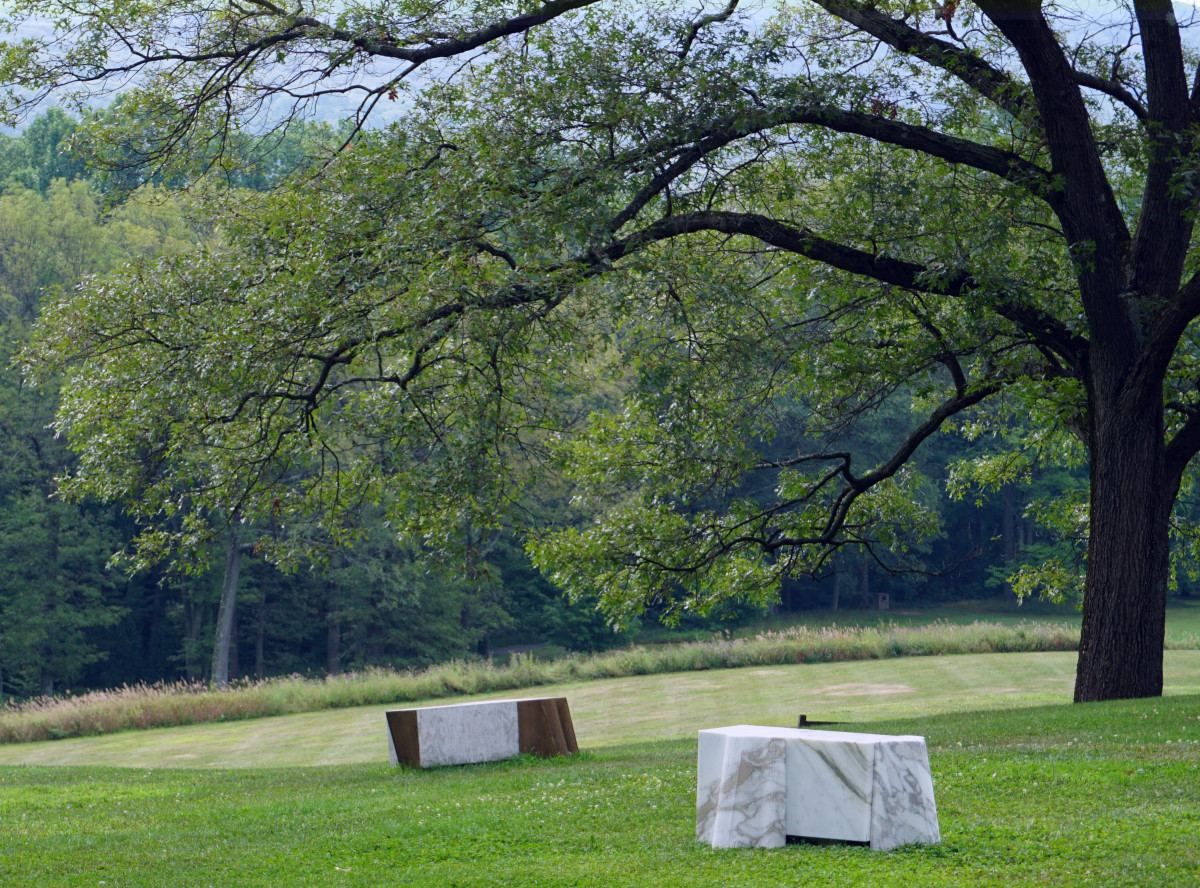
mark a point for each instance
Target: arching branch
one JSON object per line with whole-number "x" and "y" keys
{"x": 1041, "y": 327}
{"x": 990, "y": 82}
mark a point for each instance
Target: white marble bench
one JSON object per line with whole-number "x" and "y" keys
{"x": 463, "y": 733}
{"x": 756, "y": 786}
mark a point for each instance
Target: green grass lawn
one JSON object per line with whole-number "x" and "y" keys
{"x": 1028, "y": 794}
{"x": 1098, "y": 795}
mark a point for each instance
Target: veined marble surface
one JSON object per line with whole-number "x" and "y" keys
{"x": 829, "y": 788}
{"x": 835, "y": 785}
{"x": 462, "y": 733}
{"x": 742, "y": 806}
{"x": 902, "y": 806}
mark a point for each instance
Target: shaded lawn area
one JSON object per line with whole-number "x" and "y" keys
{"x": 1102, "y": 794}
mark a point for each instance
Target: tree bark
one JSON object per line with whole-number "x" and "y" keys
{"x": 235, "y": 666}
{"x": 1008, "y": 525}
{"x": 225, "y": 613}
{"x": 1124, "y": 605}
{"x": 193, "y": 624}
{"x": 333, "y": 645}
{"x": 53, "y": 529}
{"x": 864, "y": 581}
{"x": 1008, "y": 534}
{"x": 260, "y": 631}
{"x": 1124, "y": 284}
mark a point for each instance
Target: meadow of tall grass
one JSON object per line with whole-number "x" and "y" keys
{"x": 180, "y": 703}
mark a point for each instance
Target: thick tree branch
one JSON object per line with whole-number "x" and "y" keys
{"x": 1039, "y": 326}
{"x": 953, "y": 149}
{"x": 1181, "y": 450}
{"x": 1114, "y": 90}
{"x": 991, "y": 83}
{"x": 1162, "y": 51}
{"x": 252, "y": 35}
{"x": 1163, "y": 335}
{"x": 1165, "y": 222}
{"x": 1004, "y": 164}
{"x": 955, "y": 404}
{"x": 1090, "y": 215}
{"x": 437, "y": 324}
{"x": 445, "y": 46}
{"x": 761, "y": 531}
{"x": 703, "y": 22}
{"x": 857, "y": 486}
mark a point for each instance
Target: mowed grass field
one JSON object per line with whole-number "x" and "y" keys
{"x": 1031, "y": 790}
{"x": 1183, "y": 616}
{"x": 625, "y": 710}
{"x": 945, "y": 631}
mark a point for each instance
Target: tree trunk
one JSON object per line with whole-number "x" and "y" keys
{"x": 1124, "y": 606}
{"x": 260, "y": 631}
{"x": 1008, "y": 533}
{"x": 53, "y": 527}
{"x": 837, "y": 591}
{"x": 150, "y": 625}
{"x": 864, "y": 582}
{"x": 224, "y": 629}
{"x": 235, "y": 666}
{"x": 193, "y": 625}
{"x": 333, "y": 646}
{"x": 1008, "y": 525}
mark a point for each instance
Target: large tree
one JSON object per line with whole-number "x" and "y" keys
{"x": 985, "y": 210}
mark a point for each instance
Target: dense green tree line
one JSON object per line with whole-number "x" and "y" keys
{"x": 65, "y": 618}
{"x": 982, "y": 212}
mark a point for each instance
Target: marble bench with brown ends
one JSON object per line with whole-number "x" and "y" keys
{"x": 463, "y": 733}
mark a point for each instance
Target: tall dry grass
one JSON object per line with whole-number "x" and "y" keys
{"x": 180, "y": 703}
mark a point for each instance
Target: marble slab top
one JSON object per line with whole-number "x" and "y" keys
{"x": 809, "y": 735}
{"x": 471, "y": 703}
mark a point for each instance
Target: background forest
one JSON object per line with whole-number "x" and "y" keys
{"x": 67, "y": 619}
